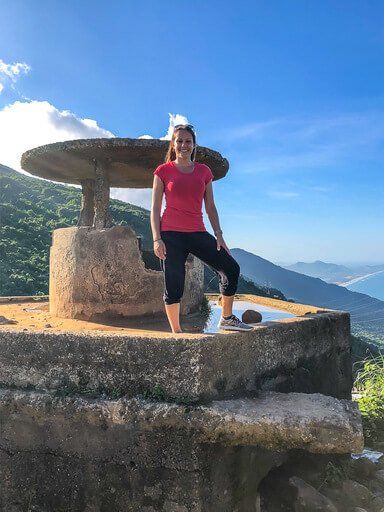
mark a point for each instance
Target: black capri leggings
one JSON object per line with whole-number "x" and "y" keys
{"x": 203, "y": 245}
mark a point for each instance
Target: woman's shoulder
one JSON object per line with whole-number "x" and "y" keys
{"x": 162, "y": 167}
{"x": 205, "y": 168}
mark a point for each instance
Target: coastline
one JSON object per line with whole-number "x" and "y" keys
{"x": 361, "y": 278}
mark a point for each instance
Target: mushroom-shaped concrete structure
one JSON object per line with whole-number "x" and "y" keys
{"x": 97, "y": 164}
{"x": 97, "y": 272}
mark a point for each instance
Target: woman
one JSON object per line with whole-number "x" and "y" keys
{"x": 181, "y": 230}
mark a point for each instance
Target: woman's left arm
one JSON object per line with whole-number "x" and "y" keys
{"x": 213, "y": 216}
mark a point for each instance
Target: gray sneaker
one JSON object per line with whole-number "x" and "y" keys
{"x": 233, "y": 324}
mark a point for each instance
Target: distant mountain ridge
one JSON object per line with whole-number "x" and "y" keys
{"x": 332, "y": 273}
{"x": 365, "y": 310}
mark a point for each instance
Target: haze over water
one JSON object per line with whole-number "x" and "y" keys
{"x": 372, "y": 285}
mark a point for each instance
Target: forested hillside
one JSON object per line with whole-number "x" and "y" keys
{"x": 31, "y": 208}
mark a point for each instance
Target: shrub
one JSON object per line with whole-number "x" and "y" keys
{"x": 370, "y": 385}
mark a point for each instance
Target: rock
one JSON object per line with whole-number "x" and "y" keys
{"x": 170, "y": 506}
{"x": 280, "y": 421}
{"x": 377, "y": 504}
{"x": 362, "y": 468}
{"x": 71, "y": 161}
{"x": 379, "y": 476}
{"x": 6, "y": 321}
{"x": 380, "y": 448}
{"x": 375, "y": 486}
{"x": 359, "y": 509}
{"x": 251, "y": 316}
{"x": 338, "y": 498}
{"x": 358, "y": 493}
{"x": 48, "y": 326}
{"x": 309, "y": 499}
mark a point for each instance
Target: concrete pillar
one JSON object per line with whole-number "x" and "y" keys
{"x": 87, "y": 211}
{"x": 103, "y": 218}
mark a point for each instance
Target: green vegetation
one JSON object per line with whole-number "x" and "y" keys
{"x": 369, "y": 384}
{"x": 31, "y": 208}
{"x": 157, "y": 394}
{"x": 370, "y": 332}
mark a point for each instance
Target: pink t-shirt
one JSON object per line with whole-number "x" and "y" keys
{"x": 184, "y": 195}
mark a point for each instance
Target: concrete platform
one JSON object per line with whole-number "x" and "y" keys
{"x": 309, "y": 353}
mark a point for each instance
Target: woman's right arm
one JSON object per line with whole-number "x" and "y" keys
{"x": 157, "y": 199}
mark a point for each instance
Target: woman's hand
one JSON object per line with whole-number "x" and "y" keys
{"x": 221, "y": 243}
{"x": 159, "y": 249}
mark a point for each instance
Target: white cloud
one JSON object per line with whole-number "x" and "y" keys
{"x": 174, "y": 119}
{"x": 25, "y": 125}
{"x": 11, "y": 72}
{"x": 28, "y": 124}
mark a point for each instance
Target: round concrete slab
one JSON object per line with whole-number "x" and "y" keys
{"x": 129, "y": 162}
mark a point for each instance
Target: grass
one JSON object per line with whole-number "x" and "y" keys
{"x": 369, "y": 384}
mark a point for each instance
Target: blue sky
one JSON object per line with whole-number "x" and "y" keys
{"x": 290, "y": 92}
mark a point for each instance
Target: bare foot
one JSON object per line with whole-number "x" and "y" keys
{"x": 175, "y": 332}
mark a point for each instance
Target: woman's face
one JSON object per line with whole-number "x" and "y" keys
{"x": 183, "y": 144}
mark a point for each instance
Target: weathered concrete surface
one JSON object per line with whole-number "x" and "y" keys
{"x": 94, "y": 456}
{"x": 99, "y": 455}
{"x": 309, "y": 354}
{"x": 130, "y": 162}
{"x": 284, "y": 421}
{"x": 100, "y": 274}
{"x": 275, "y": 421}
{"x": 308, "y": 498}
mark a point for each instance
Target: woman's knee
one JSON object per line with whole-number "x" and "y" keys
{"x": 229, "y": 278}
{"x": 169, "y": 300}
{"x": 236, "y": 269}
{"x": 233, "y": 271}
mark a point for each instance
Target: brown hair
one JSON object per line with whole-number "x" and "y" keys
{"x": 171, "y": 155}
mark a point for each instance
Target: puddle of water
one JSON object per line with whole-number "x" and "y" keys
{"x": 239, "y": 306}
{"x": 194, "y": 323}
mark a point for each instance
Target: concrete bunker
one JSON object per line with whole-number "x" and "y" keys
{"x": 106, "y": 419}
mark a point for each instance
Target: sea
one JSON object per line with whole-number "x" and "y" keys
{"x": 372, "y": 284}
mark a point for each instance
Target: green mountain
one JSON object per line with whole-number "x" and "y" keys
{"x": 31, "y": 208}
